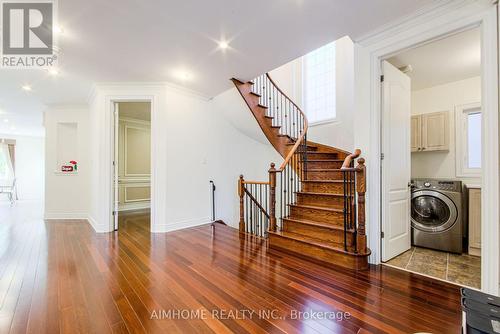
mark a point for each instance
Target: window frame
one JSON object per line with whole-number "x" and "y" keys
{"x": 304, "y": 88}
{"x": 461, "y": 140}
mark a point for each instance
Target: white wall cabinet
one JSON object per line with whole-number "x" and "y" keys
{"x": 416, "y": 133}
{"x": 475, "y": 221}
{"x": 430, "y": 132}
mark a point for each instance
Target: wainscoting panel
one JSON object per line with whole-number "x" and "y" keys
{"x": 134, "y": 164}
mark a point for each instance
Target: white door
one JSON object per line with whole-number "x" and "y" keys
{"x": 396, "y": 164}
{"x": 116, "y": 199}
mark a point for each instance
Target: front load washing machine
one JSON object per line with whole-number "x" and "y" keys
{"x": 436, "y": 214}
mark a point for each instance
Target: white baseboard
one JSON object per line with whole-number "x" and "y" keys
{"x": 65, "y": 216}
{"x": 95, "y": 226}
{"x": 169, "y": 227}
{"x": 134, "y": 206}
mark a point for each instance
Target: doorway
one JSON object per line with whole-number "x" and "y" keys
{"x": 132, "y": 165}
{"x": 432, "y": 135}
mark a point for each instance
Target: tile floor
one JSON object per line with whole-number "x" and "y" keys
{"x": 462, "y": 269}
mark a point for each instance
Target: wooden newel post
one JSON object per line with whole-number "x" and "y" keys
{"x": 272, "y": 198}
{"x": 361, "y": 190}
{"x": 241, "y": 193}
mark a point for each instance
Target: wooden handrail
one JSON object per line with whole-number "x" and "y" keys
{"x": 347, "y": 162}
{"x": 249, "y": 194}
{"x": 304, "y": 130}
{"x": 255, "y": 182}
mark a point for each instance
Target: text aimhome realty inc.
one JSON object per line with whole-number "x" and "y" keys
{"x": 234, "y": 314}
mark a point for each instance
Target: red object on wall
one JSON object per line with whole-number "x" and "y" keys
{"x": 67, "y": 168}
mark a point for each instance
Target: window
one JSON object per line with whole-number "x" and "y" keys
{"x": 3, "y": 166}
{"x": 319, "y": 84}
{"x": 474, "y": 140}
{"x": 6, "y": 172}
{"x": 468, "y": 139}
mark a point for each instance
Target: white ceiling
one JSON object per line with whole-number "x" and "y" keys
{"x": 132, "y": 40}
{"x": 453, "y": 58}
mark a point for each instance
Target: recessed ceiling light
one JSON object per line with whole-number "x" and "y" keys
{"x": 27, "y": 88}
{"x": 53, "y": 71}
{"x": 223, "y": 45}
{"x": 58, "y": 30}
{"x": 6, "y": 120}
{"x": 182, "y": 74}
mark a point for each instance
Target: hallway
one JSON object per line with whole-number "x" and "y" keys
{"x": 61, "y": 277}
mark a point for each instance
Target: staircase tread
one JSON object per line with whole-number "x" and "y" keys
{"x": 276, "y": 126}
{"x": 324, "y": 160}
{"x": 325, "y": 153}
{"x": 319, "y": 224}
{"x": 339, "y": 194}
{"x": 262, "y": 106}
{"x": 270, "y": 117}
{"x": 253, "y": 93}
{"x": 324, "y": 169}
{"x": 325, "y": 181}
{"x": 310, "y": 149}
{"x": 307, "y": 206}
{"x": 333, "y": 246}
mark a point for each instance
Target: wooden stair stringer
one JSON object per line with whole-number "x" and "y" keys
{"x": 280, "y": 143}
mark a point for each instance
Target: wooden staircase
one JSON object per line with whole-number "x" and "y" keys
{"x": 313, "y": 204}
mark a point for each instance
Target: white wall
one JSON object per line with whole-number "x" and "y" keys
{"x": 443, "y": 98}
{"x": 238, "y": 146}
{"x": 338, "y": 133}
{"x": 66, "y": 195}
{"x": 30, "y": 157}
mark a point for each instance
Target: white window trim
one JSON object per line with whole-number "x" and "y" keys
{"x": 326, "y": 121}
{"x": 461, "y": 140}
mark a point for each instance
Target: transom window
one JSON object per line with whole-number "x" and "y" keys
{"x": 319, "y": 84}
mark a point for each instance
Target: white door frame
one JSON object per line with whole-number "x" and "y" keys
{"x": 111, "y": 100}
{"x": 442, "y": 20}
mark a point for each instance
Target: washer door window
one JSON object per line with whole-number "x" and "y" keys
{"x": 432, "y": 211}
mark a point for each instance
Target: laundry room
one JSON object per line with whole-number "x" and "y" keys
{"x": 445, "y": 139}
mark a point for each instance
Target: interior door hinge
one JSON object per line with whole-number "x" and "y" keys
{"x": 381, "y": 78}
{"x": 382, "y": 235}
{"x": 114, "y": 213}
{"x": 382, "y": 156}
{"x": 114, "y": 163}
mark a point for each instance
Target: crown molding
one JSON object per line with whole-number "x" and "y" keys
{"x": 144, "y": 85}
{"x": 426, "y": 13}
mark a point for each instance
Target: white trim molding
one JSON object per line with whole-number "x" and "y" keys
{"x": 102, "y": 100}
{"x": 65, "y": 216}
{"x": 447, "y": 18}
{"x": 179, "y": 225}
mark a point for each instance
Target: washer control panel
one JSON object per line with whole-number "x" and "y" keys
{"x": 444, "y": 185}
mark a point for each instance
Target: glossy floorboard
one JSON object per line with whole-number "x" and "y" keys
{"x": 61, "y": 277}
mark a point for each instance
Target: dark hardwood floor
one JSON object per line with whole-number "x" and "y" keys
{"x": 61, "y": 277}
